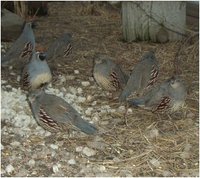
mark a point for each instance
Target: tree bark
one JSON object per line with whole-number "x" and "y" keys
{"x": 153, "y": 21}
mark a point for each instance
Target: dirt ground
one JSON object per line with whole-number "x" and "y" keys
{"x": 142, "y": 144}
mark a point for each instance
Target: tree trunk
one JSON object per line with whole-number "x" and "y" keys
{"x": 153, "y": 21}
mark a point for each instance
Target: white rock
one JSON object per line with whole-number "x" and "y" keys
{"x": 79, "y": 90}
{"x": 154, "y": 133}
{"x": 102, "y": 168}
{"x": 9, "y": 168}
{"x": 89, "y": 98}
{"x": 88, "y": 151}
{"x": 129, "y": 111}
{"x": 55, "y": 168}
{"x": 91, "y": 79}
{"x": 15, "y": 143}
{"x": 10, "y": 67}
{"x": 94, "y": 103}
{"x": 71, "y": 162}
{"x": 81, "y": 99}
{"x": 76, "y": 71}
{"x": 53, "y": 146}
{"x": 2, "y": 147}
{"x": 70, "y": 77}
{"x": 79, "y": 149}
{"x": 85, "y": 83}
{"x": 155, "y": 162}
{"x": 18, "y": 78}
{"x": 47, "y": 133}
{"x": 31, "y": 162}
{"x": 121, "y": 108}
{"x": 88, "y": 112}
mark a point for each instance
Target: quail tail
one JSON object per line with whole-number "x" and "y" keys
{"x": 85, "y": 126}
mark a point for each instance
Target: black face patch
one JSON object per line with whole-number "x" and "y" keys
{"x": 42, "y": 56}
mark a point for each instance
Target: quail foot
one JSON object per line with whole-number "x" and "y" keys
{"x": 55, "y": 114}
{"x": 169, "y": 96}
{"x": 36, "y": 73}
{"x": 108, "y": 74}
{"x": 22, "y": 48}
{"x": 61, "y": 47}
{"x": 142, "y": 77}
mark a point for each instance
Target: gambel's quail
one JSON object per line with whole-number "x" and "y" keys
{"x": 168, "y": 96}
{"x": 108, "y": 74}
{"x": 22, "y": 48}
{"x": 61, "y": 47}
{"x": 55, "y": 114}
{"x": 143, "y": 76}
{"x": 36, "y": 73}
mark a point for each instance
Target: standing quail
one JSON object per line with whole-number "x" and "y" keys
{"x": 108, "y": 74}
{"x": 55, "y": 114}
{"x": 36, "y": 73}
{"x": 61, "y": 47}
{"x": 143, "y": 76}
{"x": 169, "y": 96}
{"x": 22, "y": 47}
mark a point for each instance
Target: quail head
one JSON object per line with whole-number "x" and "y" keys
{"x": 61, "y": 47}
{"x": 22, "y": 48}
{"x": 143, "y": 76}
{"x": 108, "y": 74}
{"x": 55, "y": 114}
{"x": 36, "y": 73}
{"x": 169, "y": 96}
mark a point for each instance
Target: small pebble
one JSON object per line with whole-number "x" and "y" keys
{"x": 88, "y": 151}
{"x": 79, "y": 149}
{"x": 129, "y": 111}
{"x": 76, "y": 71}
{"x": 9, "y": 168}
{"x": 155, "y": 162}
{"x": 121, "y": 108}
{"x": 153, "y": 133}
{"x": 53, "y": 146}
{"x": 80, "y": 90}
{"x": 94, "y": 103}
{"x": 89, "y": 98}
{"x": 55, "y": 168}
{"x": 15, "y": 143}
{"x": 71, "y": 162}
{"x": 18, "y": 78}
{"x": 102, "y": 168}
{"x": 10, "y": 67}
{"x": 31, "y": 162}
{"x": 85, "y": 83}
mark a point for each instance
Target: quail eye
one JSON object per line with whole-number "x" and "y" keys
{"x": 42, "y": 56}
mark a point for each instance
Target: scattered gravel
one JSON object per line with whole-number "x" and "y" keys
{"x": 88, "y": 151}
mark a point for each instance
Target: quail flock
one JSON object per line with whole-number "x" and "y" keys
{"x": 55, "y": 114}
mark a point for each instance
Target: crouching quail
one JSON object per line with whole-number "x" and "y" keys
{"x": 36, "y": 73}
{"x": 168, "y": 96}
{"x": 55, "y": 114}
{"x": 108, "y": 74}
{"x": 61, "y": 47}
{"x": 143, "y": 76}
{"x": 21, "y": 48}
